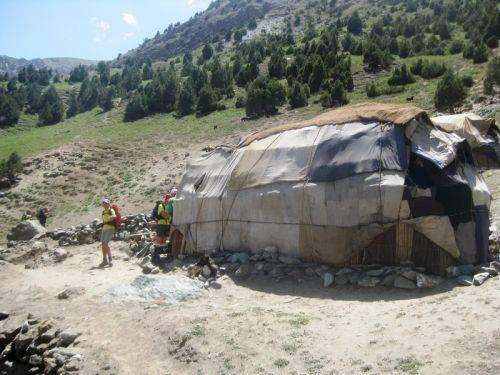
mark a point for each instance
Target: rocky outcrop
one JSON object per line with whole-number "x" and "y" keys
{"x": 26, "y": 230}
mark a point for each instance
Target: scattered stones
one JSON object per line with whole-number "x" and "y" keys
{"x": 404, "y": 283}
{"x": 490, "y": 270}
{"x": 480, "y": 278}
{"x": 465, "y": 280}
{"x": 71, "y": 292}
{"x": 66, "y": 338}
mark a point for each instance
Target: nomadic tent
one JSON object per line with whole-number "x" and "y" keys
{"x": 482, "y": 135}
{"x": 367, "y": 183}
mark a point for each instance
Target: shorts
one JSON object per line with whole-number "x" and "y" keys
{"x": 162, "y": 230}
{"x": 107, "y": 235}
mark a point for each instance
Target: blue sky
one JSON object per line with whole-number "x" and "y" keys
{"x": 92, "y": 29}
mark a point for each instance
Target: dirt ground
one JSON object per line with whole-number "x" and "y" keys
{"x": 261, "y": 326}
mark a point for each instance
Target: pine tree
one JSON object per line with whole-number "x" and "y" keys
{"x": 147, "y": 70}
{"x": 354, "y": 24}
{"x": 186, "y": 100}
{"x": 136, "y": 107}
{"x": 106, "y": 98}
{"x": 34, "y": 98}
{"x": 450, "y": 92}
{"x": 338, "y": 94}
{"x": 104, "y": 72}
{"x": 10, "y": 167}
{"x": 297, "y": 96}
{"x": 277, "y": 64}
{"x": 74, "y": 105}
{"x": 207, "y": 101}
{"x": 207, "y": 52}
{"x": 52, "y": 110}
{"x": 9, "y": 110}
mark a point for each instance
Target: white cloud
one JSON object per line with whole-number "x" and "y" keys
{"x": 191, "y": 2}
{"x": 100, "y": 24}
{"x": 129, "y": 19}
{"x": 128, "y": 35}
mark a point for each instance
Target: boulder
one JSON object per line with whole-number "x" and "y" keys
{"x": 60, "y": 254}
{"x": 342, "y": 280}
{"x": 410, "y": 275}
{"x": 491, "y": 271}
{"x": 66, "y": 338}
{"x": 4, "y": 315}
{"x": 480, "y": 278}
{"x": 404, "y": 283}
{"x": 427, "y": 281}
{"x": 26, "y": 230}
{"x": 464, "y": 280}
{"x": 206, "y": 271}
{"x": 466, "y": 269}
{"x": 389, "y": 280}
{"x": 368, "y": 281}
{"x": 328, "y": 279}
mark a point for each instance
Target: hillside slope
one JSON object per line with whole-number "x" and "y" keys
{"x": 62, "y": 65}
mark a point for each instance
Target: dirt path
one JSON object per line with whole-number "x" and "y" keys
{"x": 260, "y": 325}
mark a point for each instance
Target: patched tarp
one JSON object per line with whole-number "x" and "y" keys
{"x": 469, "y": 126}
{"x": 359, "y": 148}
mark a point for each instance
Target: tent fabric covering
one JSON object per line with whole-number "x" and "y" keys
{"x": 325, "y": 191}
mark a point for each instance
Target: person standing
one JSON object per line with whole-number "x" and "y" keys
{"x": 42, "y": 216}
{"x": 108, "y": 230}
{"x": 27, "y": 216}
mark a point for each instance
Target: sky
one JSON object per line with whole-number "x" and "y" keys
{"x": 89, "y": 29}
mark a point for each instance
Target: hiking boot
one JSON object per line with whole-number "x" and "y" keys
{"x": 104, "y": 263}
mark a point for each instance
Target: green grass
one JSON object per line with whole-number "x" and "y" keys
{"x": 281, "y": 362}
{"x": 409, "y": 365}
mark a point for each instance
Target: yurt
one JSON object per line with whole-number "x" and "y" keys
{"x": 363, "y": 184}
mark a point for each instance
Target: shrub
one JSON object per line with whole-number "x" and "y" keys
{"x": 52, "y": 107}
{"x": 9, "y": 110}
{"x": 297, "y": 95}
{"x": 207, "y": 101}
{"x": 326, "y": 99}
{"x": 492, "y": 76}
{"x": 481, "y": 53}
{"x": 401, "y": 77}
{"x": 240, "y": 101}
{"x": 207, "y": 52}
{"x": 263, "y": 97}
{"x": 450, "y": 92}
{"x": 428, "y": 69}
{"x": 10, "y": 167}
{"x": 106, "y": 98}
{"x": 467, "y": 81}
{"x": 468, "y": 51}
{"x": 371, "y": 90}
{"x": 492, "y": 42}
{"x": 136, "y": 107}
{"x": 456, "y": 46}
{"x": 277, "y": 65}
{"x": 339, "y": 94}
{"x": 354, "y": 24}
{"x": 186, "y": 100}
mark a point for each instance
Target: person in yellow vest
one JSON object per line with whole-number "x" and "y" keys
{"x": 27, "y": 215}
{"x": 108, "y": 230}
{"x": 162, "y": 224}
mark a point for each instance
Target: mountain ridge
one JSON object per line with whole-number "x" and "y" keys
{"x": 62, "y": 65}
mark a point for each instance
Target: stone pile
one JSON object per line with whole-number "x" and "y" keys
{"x": 87, "y": 234}
{"x": 468, "y": 275}
{"x": 37, "y": 347}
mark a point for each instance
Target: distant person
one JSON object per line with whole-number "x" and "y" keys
{"x": 27, "y": 215}
{"x": 170, "y": 206}
{"x": 42, "y": 216}
{"x": 108, "y": 230}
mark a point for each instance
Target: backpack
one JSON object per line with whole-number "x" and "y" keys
{"x": 118, "y": 220}
{"x": 155, "y": 210}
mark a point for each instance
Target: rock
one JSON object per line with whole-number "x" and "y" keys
{"x": 427, "y": 281}
{"x": 480, "y": 278}
{"x": 4, "y": 315}
{"x": 453, "y": 271}
{"x": 22, "y": 341}
{"x": 72, "y": 365}
{"x": 375, "y": 273}
{"x": 276, "y": 272}
{"x": 343, "y": 271}
{"x": 66, "y": 338}
{"x": 407, "y": 263}
{"x": 289, "y": 260}
{"x": 50, "y": 365}
{"x": 35, "y": 360}
{"x": 495, "y": 265}
{"x": 71, "y": 292}
{"x": 464, "y": 280}
{"x": 404, "y": 283}
{"x": 26, "y": 230}
{"x": 242, "y": 271}
{"x": 194, "y": 271}
{"x": 328, "y": 279}
{"x": 310, "y": 272}
{"x": 466, "y": 269}
{"x": 202, "y": 278}
{"x": 491, "y": 271}
{"x": 206, "y": 271}
{"x": 410, "y": 275}
{"x": 389, "y": 280}
{"x": 60, "y": 254}
{"x": 155, "y": 270}
{"x": 342, "y": 280}
{"x": 38, "y": 246}
{"x": 354, "y": 277}
{"x": 368, "y": 281}
{"x": 239, "y": 258}
{"x": 270, "y": 252}
{"x": 25, "y": 327}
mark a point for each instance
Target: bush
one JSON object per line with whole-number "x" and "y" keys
{"x": 492, "y": 42}
{"x": 207, "y": 101}
{"x": 401, "y": 77}
{"x": 263, "y": 97}
{"x": 467, "y": 81}
{"x": 106, "y": 98}
{"x": 186, "y": 100}
{"x": 468, "y": 52}
{"x": 10, "y": 167}
{"x": 371, "y": 90}
{"x": 354, "y": 24}
{"x": 339, "y": 94}
{"x": 456, "y": 46}
{"x": 136, "y": 107}
{"x": 481, "y": 53}
{"x": 9, "y": 110}
{"x": 297, "y": 95}
{"x": 52, "y": 107}
{"x": 240, "y": 102}
{"x": 450, "y": 92}
{"x": 428, "y": 69}
{"x": 492, "y": 76}
{"x": 326, "y": 99}
{"x": 277, "y": 65}
{"x": 207, "y": 52}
